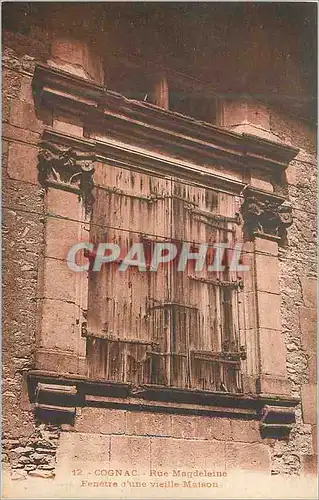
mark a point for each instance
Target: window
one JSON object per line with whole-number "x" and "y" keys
{"x": 153, "y": 84}
{"x": 166, "y": 328}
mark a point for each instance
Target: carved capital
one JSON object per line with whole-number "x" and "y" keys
{"x": 67, "y": 168}
{"x": 269, "y": 217}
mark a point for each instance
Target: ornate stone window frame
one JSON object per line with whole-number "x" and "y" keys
{"x": 66, "y": 164}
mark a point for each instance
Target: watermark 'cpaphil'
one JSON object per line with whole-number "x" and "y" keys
{"x": 213, "y": 257}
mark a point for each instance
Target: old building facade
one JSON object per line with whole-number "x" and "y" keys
{"x": 132, "y": 124}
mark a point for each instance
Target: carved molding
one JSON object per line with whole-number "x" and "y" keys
{"x": 68, "y": 169}
{"x": 268, "y": 217}
{"x": 55, "y": 402}
{"x": 276, "y": 421}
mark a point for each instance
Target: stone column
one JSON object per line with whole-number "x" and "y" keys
{"x": 265, "y": 222}
{"x": 66, "y": 176}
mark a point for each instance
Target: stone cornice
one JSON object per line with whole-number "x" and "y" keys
{"x": 173, "y": 133}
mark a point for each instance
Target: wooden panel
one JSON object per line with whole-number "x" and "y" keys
{"x": 157, "y": 327}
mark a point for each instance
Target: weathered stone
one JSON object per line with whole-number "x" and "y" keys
{"x": 308, "y": 321}
{"x": 201, "y": 427}
{"x": 63, "y": 203}
{"x": 46, "y": 467}
{"x": 267, "y": 273}
{"x": 22, "y": 162}
{"x": 24, "y": 460}
{"x": 265, "y": 245}
{"x": 18, "y": 134}
{"x": 130, "y": 451}
{"x": 314, "y": 433}
{"x": 246, "y": 431}
{"x": 101, "y": 421}
{"x": 39, "y": 458}
{"x": 309, "y": 464}
{"x": 148, "y": 424}
{"x": 86, "y": 451}
{"x": 61, "y": 235}
{"x": 42, "y": 473}
{"x": 64, "y": 287}
{"x": 59, "y": 329}
{"x": 49, "y": 451}
{"x": 269, "y": 310}
{"x": 30, "y": 467}
{"x": 26, "y": 93}
{"x": 187, "y": 454}
{"x": 21, "y": 450}
{"x": 69, "y": 124}
{"x": 22, "y": 114}
{"x": 18, "y": 475}
{"x": 309, "y": 291}
{"x": 247, "y": 456}
{"x": 272, "y": 352}
{"x": 309, "y": 403}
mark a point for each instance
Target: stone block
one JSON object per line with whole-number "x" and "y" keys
{"x": 59, "y": 281}
{"x": 17, "y": 134}
{"x": 273, "y": 385}
{"x": 84, "y": 451}
{"x": 309, "y": 464}
{"x": 78, "y": 57}
{"x": 170, "y": 453}
{"x": 308, "y": 328}
{"x": 291, "y": 175}
{"x": 22, "y": 114}
{"x": 312, "y": 367}
{"x": 61, "y": 235}
{"x": 60, "y": 362}
{"x": 309, "y": 291}
{"x": 130, "y": 451}
{"x": 269, "y": 315}
{"x": 101, "y": 421}
{"x": 68, "y": 124}
{"x": 252, "y": 456}
{"x": 58, "y": 328}
{"x": 314, "y": 433}
{"x": 200, "y": 427}
{"x": 250, "y": 310}
{"x": 26, "y": 93}
{"x": 264, "y": 245}
{"x": 309, "y": 403}
{"x": 23, "y": 163}
{"x": 64, "y": 203}
{"x": 234, "y": 112}
{"x": 148, "y": 424}
{"x": 258, "y": 114}
{"x": 261, "y": 184}
{"x": 11, "y": 83}
{"x": 246, "y": 431}
{"x": 272, "y": 352}
{"x": 267, "y": 273}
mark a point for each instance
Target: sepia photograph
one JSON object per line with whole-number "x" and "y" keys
{"x": 159, "y": 250}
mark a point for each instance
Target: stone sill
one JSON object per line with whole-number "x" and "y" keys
{"x": 155, "y": 398}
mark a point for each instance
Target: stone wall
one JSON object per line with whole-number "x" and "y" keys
{"x": 23, "y": 226}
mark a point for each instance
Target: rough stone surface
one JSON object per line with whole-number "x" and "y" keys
{"x": 101, "y": 421}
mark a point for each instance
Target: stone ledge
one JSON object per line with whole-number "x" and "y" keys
{"x": 100, "y": 393}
